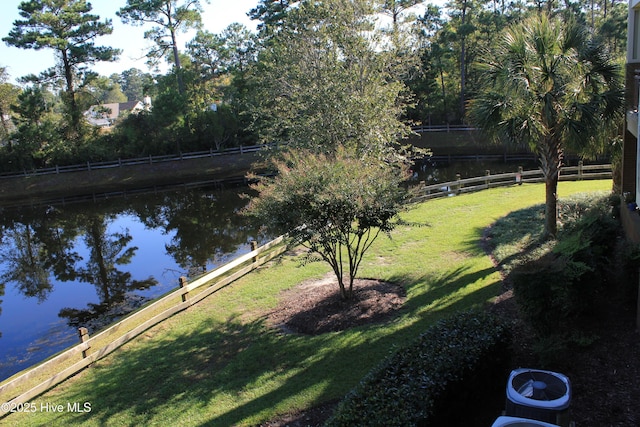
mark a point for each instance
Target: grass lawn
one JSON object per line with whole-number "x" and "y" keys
{"x": 218, "y": 363}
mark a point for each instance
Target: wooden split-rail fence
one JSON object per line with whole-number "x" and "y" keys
{"x": 34, "y": 381}
{"x": 424, "y": 192}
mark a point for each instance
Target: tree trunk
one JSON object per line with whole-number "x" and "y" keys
{"x": 351, "y": 280}
{"x": 551, "y": 206}
{"x": 5, "y": 128}
{"x": 463, "y": 64}
{"x": 168, "y": 12}
{"x": 340, "y": 278}
{"x": 444, "y": 93}
{"x": 176, "y": 58}
{"x": 550, "y": 155}
{"x": 74, "y": 113}
{"x": 344, "y": 294}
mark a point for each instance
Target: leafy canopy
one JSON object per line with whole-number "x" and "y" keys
{"x": 321, "y": 82}
{"x": 336, "y": 206}
{"x": 168, "y": 17}
{"x": 63, "y": 25}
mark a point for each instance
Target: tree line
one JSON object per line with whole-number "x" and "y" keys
{"x": 244, "y": 87}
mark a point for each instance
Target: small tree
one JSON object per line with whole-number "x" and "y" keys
{"x": 335, "y": 206}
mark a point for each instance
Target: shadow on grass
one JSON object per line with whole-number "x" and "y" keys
{"x": 237, "y": 371}
{"x": 448, "y": 292}
{"x": 376, "y": 346}
{"x": 231, "y": 363}
{"x": 519, "y": 232}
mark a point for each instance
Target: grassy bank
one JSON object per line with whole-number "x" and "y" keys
{"x": 219, "y": 364}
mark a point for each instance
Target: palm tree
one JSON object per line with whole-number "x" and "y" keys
{"x": 551, "y": 85}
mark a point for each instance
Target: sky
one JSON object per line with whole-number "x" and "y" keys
{"x": 20, "y": 62}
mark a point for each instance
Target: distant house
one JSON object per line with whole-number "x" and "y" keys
{"x": 105, "y": 115}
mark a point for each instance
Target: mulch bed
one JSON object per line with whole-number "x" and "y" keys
{"x": 315, "y": 307}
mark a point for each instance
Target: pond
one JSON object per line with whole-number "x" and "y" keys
{"x": 87, "y": 264}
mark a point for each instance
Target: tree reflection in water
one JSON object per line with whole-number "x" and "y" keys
{"x": 42, "y": 246}
{"x": 208, "y": 227}
{"x": 23, "y": 262}
{"x": 107, "y": 251}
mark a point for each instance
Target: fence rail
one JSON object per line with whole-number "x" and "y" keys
{"x": 150, "y": 160}
{"x": 88, "y": 166}
{"x": 36, "y": 380}
{"x": 505, "y": 157}
{"x": 468, "y": 185}
{"x": 444, "y": 128}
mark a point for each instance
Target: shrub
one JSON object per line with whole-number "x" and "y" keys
{"x": 435, "y": 380}
{"x": 334, "y": 205}
{"x": 565, "y": 284}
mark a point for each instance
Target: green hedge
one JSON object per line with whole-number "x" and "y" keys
{"x": 440, "y": 379}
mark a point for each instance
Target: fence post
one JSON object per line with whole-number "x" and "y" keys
{"x": 580, "y": 165}
{"x": 183, "y": 284}
{"x": 519, "y": 175}
{"x": 254, "y": 246}
{"x": 458, "y": 185}
{"x": 487, "y": 174}
{"x": 88, "y": 166}
{"x": 83, "y": 334}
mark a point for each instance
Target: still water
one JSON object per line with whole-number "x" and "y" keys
{"x": 87, "y": 264}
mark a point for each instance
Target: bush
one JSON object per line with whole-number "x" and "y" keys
{"x": 439, "y": 379}
{"x": 334, "y": 205}
{"x": 565, "y": 284}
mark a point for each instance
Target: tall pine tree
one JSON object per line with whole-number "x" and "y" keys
{"x": 69, "y": 29}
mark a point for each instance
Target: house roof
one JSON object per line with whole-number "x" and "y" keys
{"x": 113, "y": 110}
{"x": 109, "y": 111}
{"x": 105, "y": 114}
{"x": 130, "y": 105}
